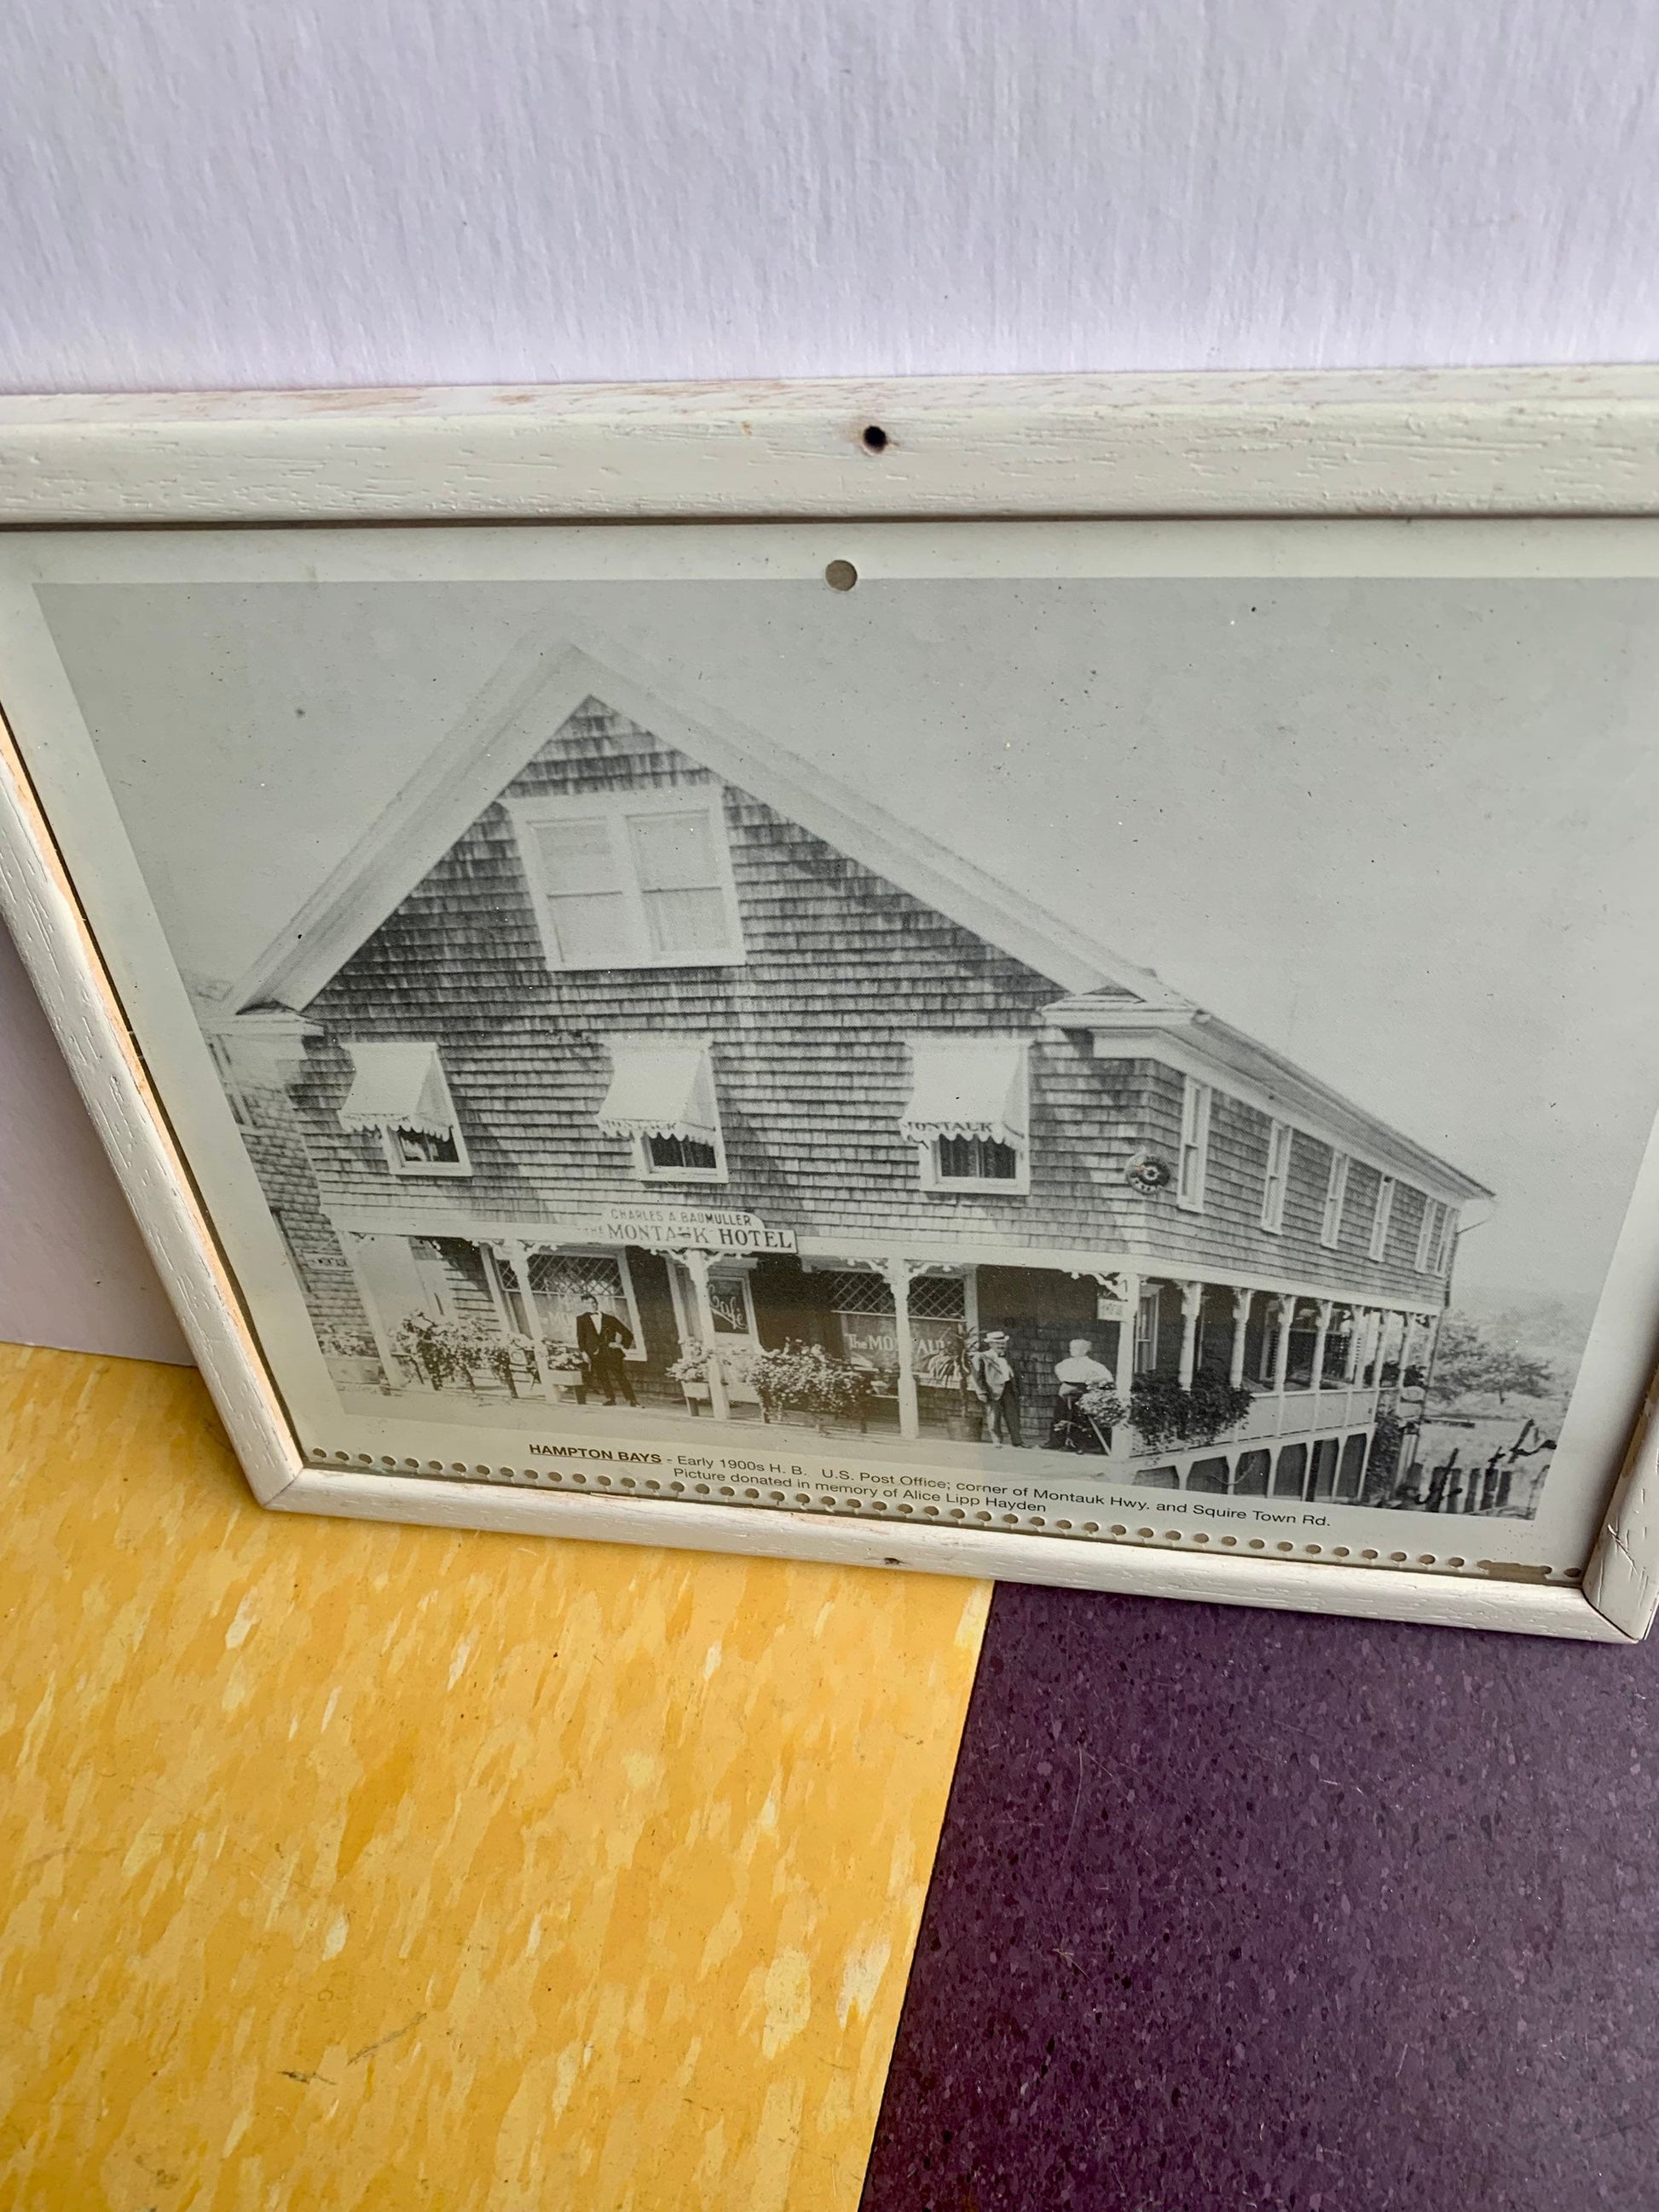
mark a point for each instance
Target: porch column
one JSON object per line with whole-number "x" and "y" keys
{"x": 1371, "y": 1353}
{"x": 696, "y": 1266}
{"x": 1322, "y": 1337}
{"x": 1407, "y": 1339}
{"x": 1192, "y": 1306}
{"x": 349, "y": 1240}
{"x": 1429, "y": 1352}
{"x": 1284, "y": 1313}
{"x": 1241, "y": 1322}
{"x": 519, "y": 1260}
{"x": 492, "y": 1276}
{"x": 899, "y": 1273}
{"x": 1356, "y": 1326}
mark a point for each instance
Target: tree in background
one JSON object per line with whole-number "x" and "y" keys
{"x": 1469, "y": 1363}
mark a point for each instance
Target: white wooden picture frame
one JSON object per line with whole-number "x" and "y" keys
{"x": 1527, "y": 475}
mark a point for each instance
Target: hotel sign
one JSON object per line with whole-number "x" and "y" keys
{"x": 692, "y": 1228}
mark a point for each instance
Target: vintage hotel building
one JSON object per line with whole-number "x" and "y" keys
{"x": 615, "y": 1001}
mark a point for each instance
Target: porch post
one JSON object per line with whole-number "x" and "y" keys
{"x": 492, "y": 1274}
{"x": 1429, "y": 1352}
{"x": 520, "y": 1260}
{"x": 1241, "y": 1322}
{"x": 696, "y": 1265}
{"x": 1407, "y": 1337}
{"x": 1351, "y": 1364}
{"x": 1192, "y": 1305}
{"x": 349, "y": 1240}
{"x": 1284, "y": 1314}
{"x": 899, "y": 1273}
{"x": 1322, "y": 1337}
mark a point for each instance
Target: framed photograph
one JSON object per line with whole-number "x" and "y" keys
{"x": 734, "y": 976}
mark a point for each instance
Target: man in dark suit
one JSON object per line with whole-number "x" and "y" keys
{"x": 601, "y": 1342}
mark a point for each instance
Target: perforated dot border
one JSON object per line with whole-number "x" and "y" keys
{"x": 843, "y": 1507}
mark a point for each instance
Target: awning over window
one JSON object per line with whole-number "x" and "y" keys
{"x": 397, "y": 1086}
{"x": 968, "y": 1087}
{"x": 659, "y": 1088}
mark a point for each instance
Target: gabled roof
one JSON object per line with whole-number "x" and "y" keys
{"x": 534, "y": 692}
{"x": 542, "y": 682}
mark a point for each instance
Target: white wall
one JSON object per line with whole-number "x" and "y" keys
{"x": 198, "y": 192}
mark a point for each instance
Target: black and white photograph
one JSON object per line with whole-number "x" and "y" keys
{"x": 1054, "y": 1048}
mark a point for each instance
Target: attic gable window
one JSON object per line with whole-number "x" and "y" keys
{"x": 630, "y": 880}
{"x": 400, "y": 1092}
{"x": 969, "y": 1113}
{"x": 662, "y": 1096}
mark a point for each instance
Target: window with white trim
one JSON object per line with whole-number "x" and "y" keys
{"x": 1147, "y": 1321}
{"x": 1431, "y": 1238}
{"x": 400, "y": 1092}
{"x": 1381, "y": 1213}
{"x": 969, "y": 1112}
{"x": 1279, "y": 1176}
{"x": 1445, "y": 1243}
{"x": 662, "y": 1096}
{"x": 1336, "y": 1189}
{"x": 1195, "y": 1099}
{"x": 631, "y": 880}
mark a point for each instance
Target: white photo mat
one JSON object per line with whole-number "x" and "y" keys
{"x": 73, "y": 880}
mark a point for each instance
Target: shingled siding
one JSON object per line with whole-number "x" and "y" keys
{"x": 1228, "y": 1231}
{"x": 810, "y": 1055}
{"x": 276, "y": 1150}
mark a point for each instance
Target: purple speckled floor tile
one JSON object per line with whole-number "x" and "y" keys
{"x": 1266, "y": 1913}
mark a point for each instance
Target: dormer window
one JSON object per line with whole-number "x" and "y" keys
{"x": 631, "y": 880}
{"x": 399, "y": 1091}
{"x": 968, "y": 1114}
{"x": 662, "y": 1097}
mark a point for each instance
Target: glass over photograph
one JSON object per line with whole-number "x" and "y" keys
{"x": 1007, "y": 1047}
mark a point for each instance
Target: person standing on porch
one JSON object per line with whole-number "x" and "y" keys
{"x": 995, "y": 1381}
{"x": 601, "y": 1342}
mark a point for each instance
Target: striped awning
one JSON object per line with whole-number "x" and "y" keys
{"x": 397, "y": 1086}
{"x": 661, "y": 1088}
{"x": 968, "y": 1087}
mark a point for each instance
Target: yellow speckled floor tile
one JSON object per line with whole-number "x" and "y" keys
{"x": 353, "y": 1867}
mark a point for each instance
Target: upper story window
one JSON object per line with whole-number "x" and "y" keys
{"x": 1432, "y": 1238}
{"x": 968, "y": 1114}
{"x": 1381, "y": 1213}
{"x": 662, "y": 1096}
{"x": 1336, "y": 1189}
{"x": 1196, "y": 1101}
{"x": 400, "y": 1092}
{"x": 631, "y": 880}
{"x": 1279, "y": 1176}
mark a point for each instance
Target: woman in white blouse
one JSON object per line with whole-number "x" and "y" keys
{"x": 1078, "y": 1375}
